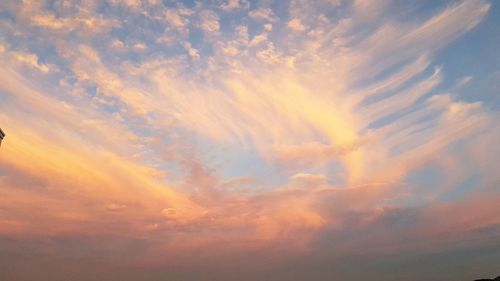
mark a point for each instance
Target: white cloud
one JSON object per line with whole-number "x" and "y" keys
{"x": 308, "y": 180}
{"x": 258, "y": 39}
{"x": 128, "y": 3}
{"x": 270, "y": 55}
{"x": 31, "y": 60}
{"x": 230, "y": 50}
{"x": 140, "y": 47}
{"x": 235, "y": 4}
{"x": 296, "y": 25}
{"x": 209, "y": 21}
{"x": 462, "y": 81}
{"x": 265, "y": 14}
{"x": 242, "y": 35}
{"x": 50, "y": 21}
{"x": 85, "y": 23}
{"x": 117, "y": 44}
{"x": 192, "y": 52}
{"x": 177, "y": 17}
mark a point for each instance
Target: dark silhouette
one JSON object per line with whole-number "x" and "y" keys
{"x": 496, "y": 279}
{"x": 2, "y": 135}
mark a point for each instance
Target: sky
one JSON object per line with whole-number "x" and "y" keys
{"x": 249, "y": 140}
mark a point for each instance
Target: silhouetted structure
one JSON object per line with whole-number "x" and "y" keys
{"x": 496, "y": 279}
{"x": 2, "y": 135}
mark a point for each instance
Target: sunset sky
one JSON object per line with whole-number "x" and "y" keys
{"x": 242, "y": 140}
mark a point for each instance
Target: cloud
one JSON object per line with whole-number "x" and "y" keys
{"x": 308, "y": 179}
{"x": 128, "y": 3}
{"x": 140, "y": 47}
{"x": 257, "y": 39}
{"x": 177, "y": 17}
{"x": 169, "y": 145}
{"x": 463, "y": 81}
{"x": 313, "y": 154}
{"x": 83, "y": 23}
{"x": 193, "y": 53}
{"x": 234, "y": 4}
{"x": 209, "y": 21}
{"x": 265, "y": 14}
{"x": 296, "y": 25}
{"x": 30, "y": 60}
{"x": 117, "y": 45}
{"x": 449, "y": 24}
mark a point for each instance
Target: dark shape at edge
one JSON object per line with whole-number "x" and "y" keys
{"x": 495, "y": 279}
{"x": 2, "y": 135}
